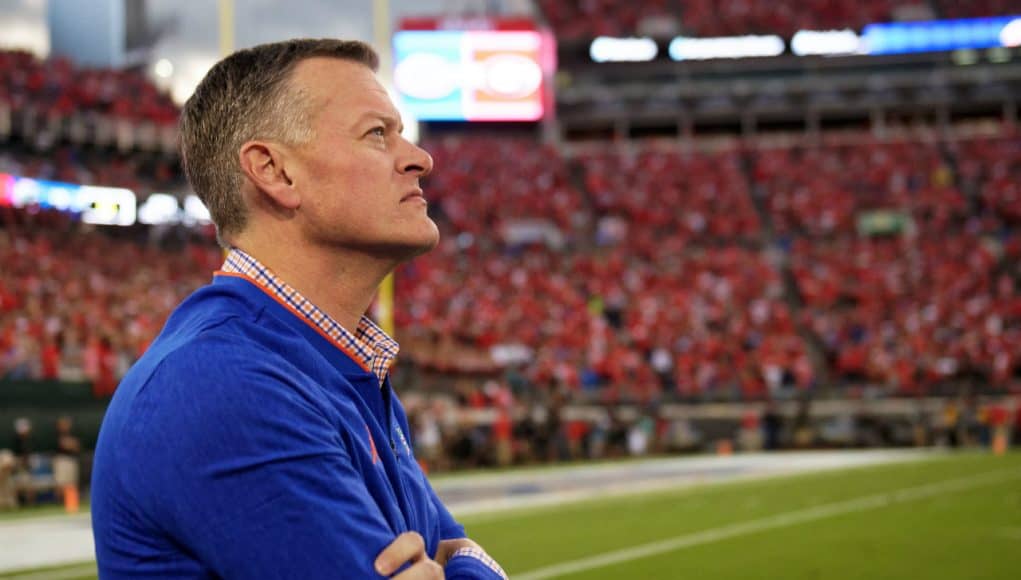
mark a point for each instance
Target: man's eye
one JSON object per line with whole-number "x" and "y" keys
{"x": 378, "y": 131}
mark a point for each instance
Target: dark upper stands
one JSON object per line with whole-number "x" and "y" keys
{"x": 586, "y": 19}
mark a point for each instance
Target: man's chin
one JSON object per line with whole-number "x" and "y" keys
{"x": 425, "y": 247}
{"x": 404, "y": 250}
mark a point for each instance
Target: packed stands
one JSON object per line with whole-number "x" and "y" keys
{"x": 609, "y": 272}
{"x": 628, "y": 273}
{"x": 90, "y": 166}
{"x": 709, "y": 18}
{"x": 990, "y": 176}
{"x": 77, "y": 304}
{"x": 661, "y": 191}
{"x": 822, "y": 191}
{"x": 975, "y": 8}
{"x": 56, "y": 87}
{"x": 47, "y": 103}
{"x": 579, "y": 20}
{"x": 912, "y": 313}
{"x": 535, "y": 186}
{"x": 584, "y": 20}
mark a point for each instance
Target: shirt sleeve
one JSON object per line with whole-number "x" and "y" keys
{"x": 243, "y": 469}
{"x": 473, "y": 564}
{"x": 465, "y": 563}
{"x": 449, "y": 527}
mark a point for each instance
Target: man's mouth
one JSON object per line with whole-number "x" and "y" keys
{"x": 412, "y": 195}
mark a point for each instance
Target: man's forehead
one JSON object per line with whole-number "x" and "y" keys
{"x": 334, "y": 81}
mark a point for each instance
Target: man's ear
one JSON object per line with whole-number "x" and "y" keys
{"x": 264, "y": 165}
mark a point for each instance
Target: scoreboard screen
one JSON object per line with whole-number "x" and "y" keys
{"x": 473, "y": 75}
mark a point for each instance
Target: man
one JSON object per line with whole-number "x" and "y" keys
{"x": 259, "y": 437}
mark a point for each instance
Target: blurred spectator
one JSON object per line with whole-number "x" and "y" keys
{"x": 772, "y": 427}
{"x": 8, "y": 487}
{"x": 66, "y": 461}
{"x": 23, "y": 461}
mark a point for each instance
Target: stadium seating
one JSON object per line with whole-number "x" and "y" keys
{"x": 976, "y": 8}
{"x": 911, "y": 313}
{"x": 846, "y": 181}
{"x": 56, "y": 87}
{"x": 990, "y": 172}
{"x": 77, "y": 304}
{"x": 141, "y": 173}
{"x": 621, "y": 273}
{"x": 610, "y": 271}
{"x": 659, "y": 190}
{"x": 46, "y": 103}
{"x": 575, "y": 20}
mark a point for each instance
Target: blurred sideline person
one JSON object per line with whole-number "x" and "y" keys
{"x": 65, "y": 463}
{"x": 259, "y": 437}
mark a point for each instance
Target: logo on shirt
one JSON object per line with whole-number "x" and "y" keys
{"x": 400, "y": 435}
{"x": 372, "y": 444}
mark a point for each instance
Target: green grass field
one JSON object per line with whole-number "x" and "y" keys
{"x": 943, "y": 518}
{"x": 974, "y": 532}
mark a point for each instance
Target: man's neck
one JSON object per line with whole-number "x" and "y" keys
{"x": 341, "y": 283}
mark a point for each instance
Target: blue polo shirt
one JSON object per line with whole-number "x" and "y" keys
{"x": 246, "y": 444}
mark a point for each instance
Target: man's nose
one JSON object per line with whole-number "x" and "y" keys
{"x": 417, "y": 161}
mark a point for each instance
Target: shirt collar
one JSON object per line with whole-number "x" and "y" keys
{"x": 372, "y": 348}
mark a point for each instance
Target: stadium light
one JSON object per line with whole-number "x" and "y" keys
{"x": 163, "y": 68}
{"x": 159, "y": 208}
{"x": 825, "y": 43}
{"x": 195, "y": 211}
{"x": 751, "y": 46}
{"x": 941, "y": 35}
{"x": 1010, "y": 36}
{"x": 610, "y": 49}
{"x": 111, "y": 206}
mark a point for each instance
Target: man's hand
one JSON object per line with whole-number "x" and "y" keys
{"x": 409, "y": 547}
{"x": 448, "y": 547}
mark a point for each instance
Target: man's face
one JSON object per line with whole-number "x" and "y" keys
{"x": 358, "y": 176}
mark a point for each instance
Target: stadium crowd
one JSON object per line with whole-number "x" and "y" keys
{"x": 615, "y": 273}
{"x": 580, "y": 20}
{"x": 57, "y": 88}
{"x": 627, "y": 274}
{"x": 848, "y": 181}
{"x": 79, "y": 305}
{"x": 141, "y": 173}
{"x": 46, "y": 103}
{"x": 583, "y": 20}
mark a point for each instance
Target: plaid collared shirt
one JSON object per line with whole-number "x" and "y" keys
{"x": 372, "y": 348}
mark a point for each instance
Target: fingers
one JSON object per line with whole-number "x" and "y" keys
{"x": 422, "y": 570}
{"x": 408, "y": 547}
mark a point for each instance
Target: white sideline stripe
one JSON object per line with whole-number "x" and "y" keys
{"x": 499, "y": 508}
{"x": 20, "y": 523}
{"x": 63, "y": 574}
{"x": 767, "y": 523}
